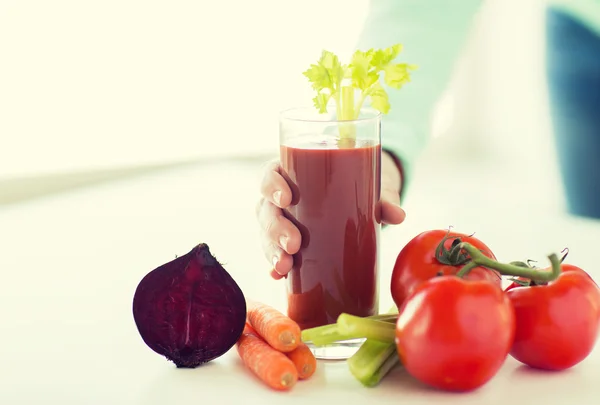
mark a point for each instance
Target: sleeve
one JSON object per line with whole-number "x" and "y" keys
{"x": 432, "y": 33}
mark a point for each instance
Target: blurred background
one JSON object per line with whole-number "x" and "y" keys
{"x": 93, "y": 91}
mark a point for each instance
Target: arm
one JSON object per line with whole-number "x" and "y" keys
{"x": 433, "y": 33}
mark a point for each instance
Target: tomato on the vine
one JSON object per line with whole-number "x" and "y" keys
{"x": 430, "y": 254}
{"x": 455, "y": 334}
{"x": 557, "y": 323}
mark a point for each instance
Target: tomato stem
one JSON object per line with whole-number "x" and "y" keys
{"x": 508, "y": 269}
{"x": 521, "y": 264}
{"x": 453, "y": 256}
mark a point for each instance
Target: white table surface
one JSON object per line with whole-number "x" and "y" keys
{"x": 70, "y": 264}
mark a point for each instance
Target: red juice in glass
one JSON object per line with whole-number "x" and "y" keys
{"x": 336, "y": 193}
{"x": 336, "y": 188}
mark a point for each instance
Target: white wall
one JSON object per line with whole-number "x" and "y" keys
{"x": 98, "y": 84}
{"x": 87, "y": 84}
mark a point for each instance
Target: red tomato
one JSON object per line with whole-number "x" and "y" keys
{"x": 417, "y": 262}
{"x": 557, "y": 323}
{"x": 455, "y": 334}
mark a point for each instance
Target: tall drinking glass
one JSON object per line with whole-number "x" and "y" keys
{"x": 334, "y": 170}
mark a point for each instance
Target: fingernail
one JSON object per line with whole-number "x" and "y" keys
{"x": 275, "y": 261}
{"x": 277, "y": 197}
{"x": 283, "y": 241}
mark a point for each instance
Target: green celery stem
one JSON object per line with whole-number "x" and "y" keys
{"x": 332, "y": 338}
{"x": 328, "y": 332}
{"x": 385, "y": 368}
{"x": 385, "y": 318}
{"x": 362, "y": 327}
{"x": 347, "y": 100}
{"x": 319, "y": 332}
{"x": 346, "y": 113}
{"x": 372, "y": 361}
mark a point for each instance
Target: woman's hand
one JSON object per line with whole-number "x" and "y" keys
{"x": 391, "y": 184}
{"x": 279, "y": 236}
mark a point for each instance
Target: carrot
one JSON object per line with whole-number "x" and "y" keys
{"x": 304, "y": 360}
{"x": 271, "y": 366}
{"x": 277, "y": 329}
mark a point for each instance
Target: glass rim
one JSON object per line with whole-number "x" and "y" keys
{"x": 323, "y": 118}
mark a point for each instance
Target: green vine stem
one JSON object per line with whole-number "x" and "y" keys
{"x": 507, "y": 269}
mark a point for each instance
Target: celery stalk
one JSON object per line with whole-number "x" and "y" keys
{"x": 346, "y": 103}
{"x": 392, "y": 318}
{"x": 373, "y": 361}
{"x": 366, "y": 73}
{"x": 356, "y": 326}
{"x": 346, "y": 113}
{"x": 325, "y": 331}
{"x": 332, "y": 338}
{"x": 385, "y": 368}
{"x": 327, "y": 334}
{"x": 318, "y": 332}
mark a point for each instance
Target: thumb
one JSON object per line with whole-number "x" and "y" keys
{"x": 391, "y": 212}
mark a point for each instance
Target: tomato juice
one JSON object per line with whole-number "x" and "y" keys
{"x": 335, "y": 205}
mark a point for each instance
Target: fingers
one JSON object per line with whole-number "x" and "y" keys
{"x": 276, "y": 276}
{"x": 277, "y": 229}
{"x": 274, "y": 188}
{"x": 391, "y": 181}
{"x": 280, "y": 237}
{"x": 391, "y": 212}
{"x": 281, "y": 261}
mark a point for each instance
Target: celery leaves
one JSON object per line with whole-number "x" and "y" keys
{"x": 326, "y": 77}
{"x": 335, "y": 81}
